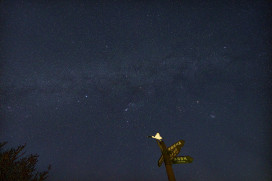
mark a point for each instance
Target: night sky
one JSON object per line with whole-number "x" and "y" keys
{"x": 83, "y": 83}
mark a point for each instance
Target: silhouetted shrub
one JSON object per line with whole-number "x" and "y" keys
{"x": 14, "y": 166}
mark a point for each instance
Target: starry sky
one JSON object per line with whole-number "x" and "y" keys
{"x": 83, "y": 83}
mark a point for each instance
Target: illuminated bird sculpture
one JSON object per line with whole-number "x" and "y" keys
{"x": 157, "y": 137}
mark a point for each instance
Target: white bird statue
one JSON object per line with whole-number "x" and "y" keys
{"x": 157, "y": 136}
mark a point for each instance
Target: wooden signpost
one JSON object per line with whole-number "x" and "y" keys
{"x": 169, "y": 156}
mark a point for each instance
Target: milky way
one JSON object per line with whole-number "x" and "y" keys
{"x": 84, "y": 84}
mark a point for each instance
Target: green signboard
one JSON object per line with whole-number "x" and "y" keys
{"x": 172, "y": 151}
{"x": 182, "y": 159}
{"x": 180, "y": 144}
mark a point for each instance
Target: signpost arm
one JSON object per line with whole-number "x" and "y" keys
{"x": 167, "y": 161}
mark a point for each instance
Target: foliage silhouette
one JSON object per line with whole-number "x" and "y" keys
{"x": 15, "y": 166}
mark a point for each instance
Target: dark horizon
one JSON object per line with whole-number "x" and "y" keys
{"x": 84, "y": 83}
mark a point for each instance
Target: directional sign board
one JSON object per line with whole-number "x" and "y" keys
{"x": 180, "y": 143}
{"x": 172, "y": 151}
{"x": 175, "y": 149}
{"x": 182, "y": 159}
{"x": 160, "y": 161}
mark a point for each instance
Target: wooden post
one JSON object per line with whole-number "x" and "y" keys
{"x": 167, "y": 161}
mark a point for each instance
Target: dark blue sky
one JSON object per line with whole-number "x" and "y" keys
{"x": 83, "y": 84}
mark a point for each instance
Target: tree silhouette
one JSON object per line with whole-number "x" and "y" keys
{"x": 15, "y": 166}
